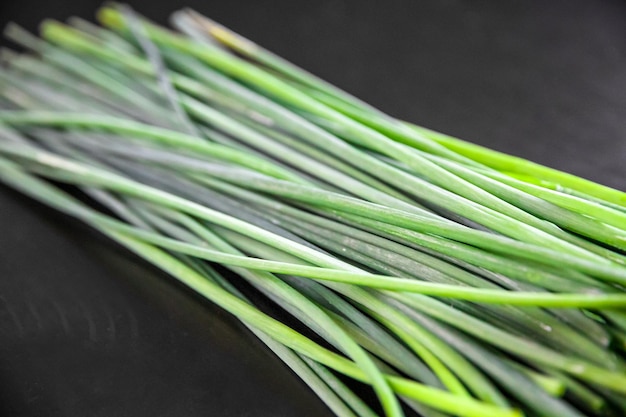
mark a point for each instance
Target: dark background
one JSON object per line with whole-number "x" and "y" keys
{"x": 88, "y": 330}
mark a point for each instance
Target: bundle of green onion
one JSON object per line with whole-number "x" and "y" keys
{"x": 451, "y": 279}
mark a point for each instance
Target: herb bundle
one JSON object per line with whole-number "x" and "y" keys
{"x": 451, "y": 279}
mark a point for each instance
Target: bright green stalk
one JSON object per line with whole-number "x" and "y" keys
{"x": 600, "y": 212}
{"x": 553, "y": 386}
{"x": 571, "y": 220}
{"x": 508, "y": 163}
{"x": 447, "y": 377}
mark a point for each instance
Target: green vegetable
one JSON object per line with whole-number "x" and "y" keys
{"x": 452, "y": 279}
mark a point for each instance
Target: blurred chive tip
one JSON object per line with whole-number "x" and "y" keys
{"x": 452, "y": 279}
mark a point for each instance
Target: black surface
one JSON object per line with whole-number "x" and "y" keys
{"x": 88, "y": 330}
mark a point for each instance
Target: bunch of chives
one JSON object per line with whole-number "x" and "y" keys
{"x": 452, "y": 279}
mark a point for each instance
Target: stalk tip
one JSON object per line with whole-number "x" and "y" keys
{"x": 49, "y": 26}
{"x": 13, "y": 31}
{"x": 110, "y": 17}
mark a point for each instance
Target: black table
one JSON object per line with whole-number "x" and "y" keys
{"x": 86, "y": 329}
